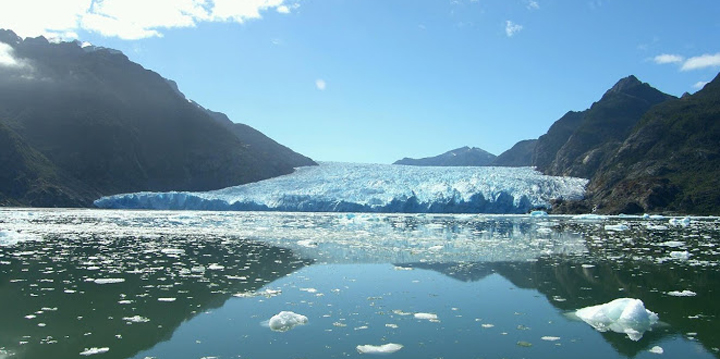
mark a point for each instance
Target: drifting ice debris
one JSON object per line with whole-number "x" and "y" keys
{"x": 426, "y": 316}
{"x": 286, "y": 320}
{"x": 684, "y": 293}
{"x": 11, "y": 238}
{"x": 379, "y": 349}
{"x": 93, "y": 351}
{"x": 109, "y": 280}
{"x": 616, "y": 227}
{"x": 656, "y": 350}
{"x": 351, "y": 187}
{"x": 624, "y": 315}
{"x": 538, "y": 214}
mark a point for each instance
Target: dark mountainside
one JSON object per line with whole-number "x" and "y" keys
{"x": 464, "y": 156}
{"x": 670, "y": 161}
{"x": 519, "y": 155}
{"x": 643, "y": 151}
{"x": 88, "y": 122}
{"x": 601, "y": 129}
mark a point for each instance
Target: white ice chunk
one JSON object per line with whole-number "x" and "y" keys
{"x": 286, "y": 320}
{"x": 426, "y": 316}
{"x": 538, "y": 214}
{"x": 109, "y": 280}
{"x": 388, "y": 348}
{"x": 550, "y": 338}
{"x": 617, "y": 227}
{"x": 166, "y": 299}
{"x": 656, "y": 350}
{"x": 590, "y": 217}
{"x": 624, "y": 315}
{"x": 684, "y": 293}
{"x": 93, "y": 351}
{"x": 11, "y": 238}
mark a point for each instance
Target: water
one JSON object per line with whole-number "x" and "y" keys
{"x": 135, "y": 284}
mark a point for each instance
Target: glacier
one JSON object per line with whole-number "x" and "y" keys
{"x": 355, "y": 187}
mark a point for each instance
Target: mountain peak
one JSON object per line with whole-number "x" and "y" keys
{"x": 624, "y": 84}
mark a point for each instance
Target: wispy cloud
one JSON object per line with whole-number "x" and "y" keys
{"x": 701, "y": 62}
{"x": 700, "y": 84}
{"x": 512, "y": 28}
{"x": 320, "y": 84}
{"x": 129, "y": 19}
{"x": 533, "y": 5}
{"x": 668, "y": 59}
{"x": 7, "y": 57}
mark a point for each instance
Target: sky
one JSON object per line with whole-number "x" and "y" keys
{"x": 378, "y": 80}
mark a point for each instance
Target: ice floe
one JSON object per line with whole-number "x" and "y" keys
{"x": 286, "y": 320}
{"x": 388, "y": 348}
{"x": 623, "y": 315}
{"x": 684, "y": 293}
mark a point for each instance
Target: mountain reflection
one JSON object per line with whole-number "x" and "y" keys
{"x": 572, "y": 284}
{"x": 54, "y": 306}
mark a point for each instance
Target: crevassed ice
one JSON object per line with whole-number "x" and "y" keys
{"x": 352, "y": 187}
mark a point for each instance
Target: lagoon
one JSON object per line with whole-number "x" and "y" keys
{"x": 180, "y": 284}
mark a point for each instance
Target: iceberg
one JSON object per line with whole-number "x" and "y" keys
{"x": 352, "y": 187}
{"x": 624, "y": 315}
{"x": 286, "y": 320}
{"x": 10, "y": 238}
{"x": 388, "y": 348}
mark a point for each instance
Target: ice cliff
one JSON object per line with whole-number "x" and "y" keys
{"x": 349, "y": 187}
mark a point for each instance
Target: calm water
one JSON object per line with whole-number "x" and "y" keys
{"x": 132, "y": 284}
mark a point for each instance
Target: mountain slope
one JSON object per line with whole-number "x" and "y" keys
{"x": 597, "y": 132}
{"x": 117, "y": 127}
{"x": 518, "y": 156}
{"x": 464, "y": 156}
{"x": 670, "y": 161}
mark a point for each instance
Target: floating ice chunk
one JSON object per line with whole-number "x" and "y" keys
{"x": 680, "y": 255}
{"x": 308, "y": 243}
{"x": 590, "y": 217}
{"x": 173, "y": 251}
{"x": 166, "y": 299}
{"x": 672, "y": 244}
{"x": 136, "y": 319}
{"x": 286, "y": 320}
{"x": 216, "y": 266}
{"x": 680, "y": 222}
{"x": 684, "y": 293}
{"x": 617, "y": 227}
{"x": 309, "y": 290}
{"x": 656, "y": 350}
{"x": 11, "y": 238}
{"x": 93, "y": 351}
{"x": 538, "y": 214}
{"x": 108, "y": 280}
{"x": 426, "y": 316}
{"x": 388, "y": 348}
{"x": 550, "y": 339}
{"x": 624, "y": 315}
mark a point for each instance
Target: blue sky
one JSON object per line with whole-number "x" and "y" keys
{"x": 378, "y": 80}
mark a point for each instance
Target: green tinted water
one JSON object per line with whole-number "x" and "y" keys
{"x": 120, "y": 284}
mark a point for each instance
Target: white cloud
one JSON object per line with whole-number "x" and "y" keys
{"x": 128, "y": 19}
{"x": 512, "y": 28}
{"x": 701, "y": 62}
{"x": 700, "y": 84}
{"x": 668, "y": 59}
{"x": 533, "y": 5}
{"x": 7, "y": 57}
{"x": 320, "y": 84}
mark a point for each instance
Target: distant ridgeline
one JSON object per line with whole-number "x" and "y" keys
{"x": 641, "y": 149}
{"x": 80, "y": 122}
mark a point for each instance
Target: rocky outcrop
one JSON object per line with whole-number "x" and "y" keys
{"x": 519, "y": 155}
{"x": 464, "y": 156}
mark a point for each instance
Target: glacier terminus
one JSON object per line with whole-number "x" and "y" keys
{"x": 353, "y": 187}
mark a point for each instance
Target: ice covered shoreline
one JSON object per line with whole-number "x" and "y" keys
{"x": 351, "y": 187}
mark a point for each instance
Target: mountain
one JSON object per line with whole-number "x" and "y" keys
{"x": 588, "y": 138}
{"x": 669, "y": 162}
{"x": 464, "y": 156}
{"x": 112, "y": 126}
{"x": 521, "y": 154}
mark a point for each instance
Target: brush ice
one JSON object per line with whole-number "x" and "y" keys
{"x": 11, "y": 238}
{"x": 684, "y": 293}
{"x": 348, "y": 187}
{"x": 388, "y": 348}
{"x": 286, "y": 320}
{"x": 624, "y": 315}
